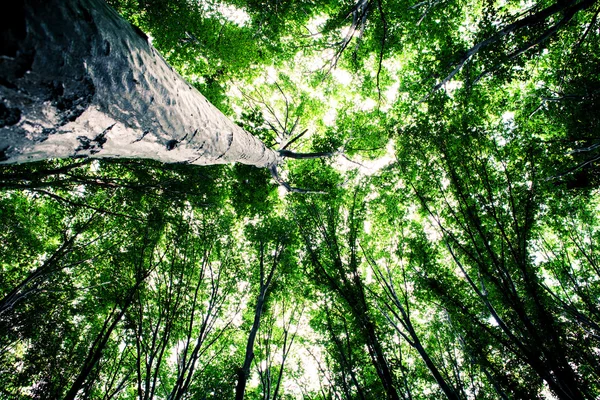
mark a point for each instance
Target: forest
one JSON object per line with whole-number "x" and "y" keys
{"x": 425, "y": 228}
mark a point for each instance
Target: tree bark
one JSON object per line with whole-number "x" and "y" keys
{"x": 77, "y": 80}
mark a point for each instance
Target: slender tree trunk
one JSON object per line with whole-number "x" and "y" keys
{"x": 244, "y": 372}
{"x": 95, "y": 353}
{"x": 76, "y": 80}
{"x": 448, "y": 390}
{"x": 378, "y": 358}
{"x": 344, "y": 359}
{"x": 265, "y": 282}
{"x": 96, "y": 350}
{"x": 403, "y": 317}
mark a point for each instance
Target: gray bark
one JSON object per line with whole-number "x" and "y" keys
{"x": 76, "y": 80}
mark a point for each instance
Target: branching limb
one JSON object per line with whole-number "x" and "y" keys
{"x": 283, "y": 128}
{"x": 584, "y": 149}
{"x": 286, "y": 185}
{"x": 72, "y": 203}
{"x": 306, "y": 156}
{"x": 587, "y": 31}
{"x": 359, "y": 13}
{"x": 534, "y": 43}
{"x": 569, "y": 9}
{"x": 280, "y": 126}
{"x": 576, "y": 168}
{"x": 429, "y": 8}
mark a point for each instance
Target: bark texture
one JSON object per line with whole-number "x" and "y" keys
{"x": 76, "y": 80}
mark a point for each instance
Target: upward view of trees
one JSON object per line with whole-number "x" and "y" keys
{"x": 372, "y": 199}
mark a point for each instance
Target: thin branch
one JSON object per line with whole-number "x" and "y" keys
{"x": 292, "y": 141}
{"x": 286, "y": 185}
{"x": 305, "y": 156}
{"x": 587, "y": 31}
{"x": 77, "y": 204}
{"x": 576, "y": 168}
{"x": 385, "y": 31}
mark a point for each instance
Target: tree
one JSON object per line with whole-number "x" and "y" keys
{"x": 269, "y": 257}
{"x": 487, "y": 214}
{"x": 109, "y": 95}
{"x": 398, "y": 312}
{"x": 210, "y": 292}
{"x": 336, "y": 266}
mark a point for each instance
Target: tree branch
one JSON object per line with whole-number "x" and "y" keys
{"x": 569, "y": 9}
{"x": 305, "y": 156}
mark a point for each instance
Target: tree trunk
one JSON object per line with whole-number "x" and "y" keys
{"x": 96, "y": 350}
{"x": 76, "y": 80}
{"x": 244, "y": 372}
{"x": 378, "y": 357}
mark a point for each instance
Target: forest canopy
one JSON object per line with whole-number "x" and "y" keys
{"x": 431, "y": 234}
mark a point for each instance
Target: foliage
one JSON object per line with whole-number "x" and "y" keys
{"x": 447, "y": 245}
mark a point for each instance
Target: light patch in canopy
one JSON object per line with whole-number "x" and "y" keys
{"x": 342, "y": 76}
{"x": 237, "y": 16}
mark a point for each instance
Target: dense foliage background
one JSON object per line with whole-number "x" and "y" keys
{"x": 448, "y": 248}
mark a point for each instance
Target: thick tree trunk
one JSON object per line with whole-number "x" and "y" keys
{"x": 76, "y": 80}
